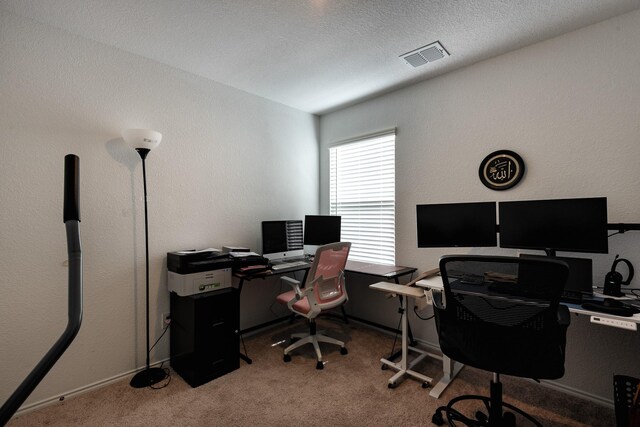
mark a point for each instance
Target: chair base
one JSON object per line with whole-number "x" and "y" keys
{"x": 314, "y": 339}
{"x": 495, "y": 416}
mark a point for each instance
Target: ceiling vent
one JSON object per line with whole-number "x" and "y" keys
{"x": 429, "y": 53}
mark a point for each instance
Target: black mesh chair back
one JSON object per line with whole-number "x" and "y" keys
{"x": 502, "y": 314}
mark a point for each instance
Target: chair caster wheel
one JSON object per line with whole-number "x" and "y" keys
{"x": 392, "y": 385}
{"x": 425, "y": 384}
{"x": 509, "y": 419}
{"x": 287, "y": 358}
{"x": 319, "y": 365}
{"x": 482, "y": 417}
{"x": 384, "y": 367}
{"x": 437, "y": 419}
{"x": 343, "y": 351}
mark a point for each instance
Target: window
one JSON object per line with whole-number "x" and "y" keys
{"x": 362, "y": 192}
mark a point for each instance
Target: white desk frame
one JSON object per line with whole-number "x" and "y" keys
{"x": 404, "y": 367}
{"x": 452, "y": 368}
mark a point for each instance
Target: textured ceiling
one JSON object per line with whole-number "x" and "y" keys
{"x": 316, "y": 55}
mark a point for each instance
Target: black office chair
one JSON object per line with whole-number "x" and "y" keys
{"x": 501, "y": 314}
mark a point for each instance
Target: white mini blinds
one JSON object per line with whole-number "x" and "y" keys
{"x": 362, "y": 192}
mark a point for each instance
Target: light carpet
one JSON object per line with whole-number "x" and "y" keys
{"x": 350, "y": 391}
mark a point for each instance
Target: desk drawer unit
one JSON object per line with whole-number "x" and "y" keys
{"x": 204, "y": 335}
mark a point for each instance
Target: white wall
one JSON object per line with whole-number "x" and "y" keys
{"x": 211, "y": 181}
{"x": 570, "y": 106}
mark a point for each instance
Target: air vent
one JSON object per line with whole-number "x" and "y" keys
{"x": 425, "y": 54}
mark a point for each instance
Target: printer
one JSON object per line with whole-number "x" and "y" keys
{"x": 198, "y": 271}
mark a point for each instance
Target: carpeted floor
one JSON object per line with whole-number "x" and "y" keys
{"x": 350, "y": 391}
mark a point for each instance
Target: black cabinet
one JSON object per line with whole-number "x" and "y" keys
{"x": 204, "y": 335}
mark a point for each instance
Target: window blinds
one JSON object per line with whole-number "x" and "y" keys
{"x": 362, "y": 192}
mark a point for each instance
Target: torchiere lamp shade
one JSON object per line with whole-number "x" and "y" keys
{"x": 145, "y": 139}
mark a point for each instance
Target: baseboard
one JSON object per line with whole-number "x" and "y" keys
{"x": 430, "y": 346}
{"x": 578, "y": 393}
{"x": 80, "y": 390}
{"x": 387, "y": 330}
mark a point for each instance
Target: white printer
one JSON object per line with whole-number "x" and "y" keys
{"x": 196, "y": 272}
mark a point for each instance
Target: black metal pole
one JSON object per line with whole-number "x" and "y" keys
{"x": 148, "y": 376}
{"x": 146, "y": 251}
{"x": 71, "y": 218}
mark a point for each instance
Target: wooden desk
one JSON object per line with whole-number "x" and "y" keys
{"x": 387, "y": 272}
{"x": 242, "y": 277}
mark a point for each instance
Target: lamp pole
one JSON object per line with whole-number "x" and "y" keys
{"x": 143, "y": 155}
{"x": 142, "y": 140}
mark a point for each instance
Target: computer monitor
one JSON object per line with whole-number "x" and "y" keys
{"x": 456, "y": 225}
{"x": 321, "y": 229}
{"x": 282, "y": 239}
{"x": 574, "y": 225}
{"x": 579, "y": 283}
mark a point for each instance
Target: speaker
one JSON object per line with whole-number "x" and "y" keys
{"x": 613, "y": 280}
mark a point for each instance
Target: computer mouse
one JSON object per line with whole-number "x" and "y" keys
{"x": 614, "y": 303}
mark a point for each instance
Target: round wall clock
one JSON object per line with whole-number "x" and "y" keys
{"x": 501, "y": 170}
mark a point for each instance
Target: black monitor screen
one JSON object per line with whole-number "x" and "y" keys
{"x": 580, "y": 279}
{"x": 574, "y": 225}
{"x": 281, "y": 236}
{"x": 456, "y": 224}
{"x": 274, "y": 236}
{"x": 321, "y": 229}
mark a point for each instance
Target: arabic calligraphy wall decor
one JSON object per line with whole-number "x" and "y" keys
{"x": 501, "y": 170}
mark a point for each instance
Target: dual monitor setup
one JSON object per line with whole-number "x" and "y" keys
{"x": 288, "y": 238}
{"x": 572, "y": 225}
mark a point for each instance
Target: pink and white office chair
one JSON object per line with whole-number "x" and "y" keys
{"x": 323, "y": 290}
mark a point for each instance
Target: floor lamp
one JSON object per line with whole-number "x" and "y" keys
{"x": 143, "y": 141}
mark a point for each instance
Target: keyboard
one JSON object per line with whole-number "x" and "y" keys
{"x": 620, "y": 309}
{"x": 284, "y": 265}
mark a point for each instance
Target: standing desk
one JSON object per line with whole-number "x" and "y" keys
{"x": 451, "y": 368}
{"x": 404, "y": 367}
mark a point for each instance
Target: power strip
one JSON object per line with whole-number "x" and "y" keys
{"x": 616, "y": 323}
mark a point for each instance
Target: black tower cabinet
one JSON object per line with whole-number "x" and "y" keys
{"x": 204, "y": 335}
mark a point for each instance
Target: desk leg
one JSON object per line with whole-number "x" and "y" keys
{"x": 244, "y": 355}
{"x": 344, "y": 314}
{"x": 412, "y": 341}
{"x": 450, "y": 369}
{"x": 404, "y": 367}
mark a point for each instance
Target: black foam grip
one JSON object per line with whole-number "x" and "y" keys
{"x": 71, "y": 210}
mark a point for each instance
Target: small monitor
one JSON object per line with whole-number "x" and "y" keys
{"x": 574, "y": 225}
{"x": 456, "y": 225}
{"x": 321, "y": 229}
{"x": 282, "y": 239}
{"x": 580, "y": 280}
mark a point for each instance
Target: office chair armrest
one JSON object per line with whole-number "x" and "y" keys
{"x": 564, "y": 318}
{"x": 295, "y": 284}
